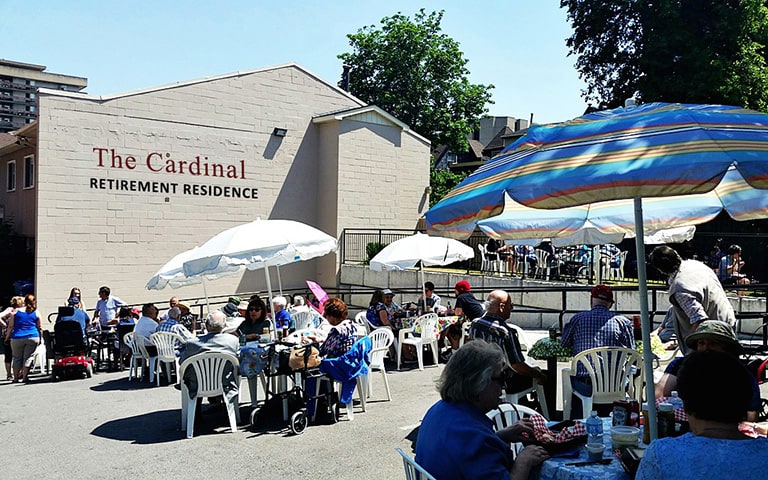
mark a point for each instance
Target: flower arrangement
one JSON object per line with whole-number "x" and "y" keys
{"x": 548, "y": 348}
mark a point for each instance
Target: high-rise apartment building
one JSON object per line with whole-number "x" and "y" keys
{"x": 18, "y": 91}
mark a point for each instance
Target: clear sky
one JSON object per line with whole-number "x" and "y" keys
{"x": 516, "y": 45}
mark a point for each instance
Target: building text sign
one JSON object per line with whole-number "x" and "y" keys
{"x": 157, "y": 162}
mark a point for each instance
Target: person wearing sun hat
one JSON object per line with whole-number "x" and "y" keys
{"x": 598, "y": 327}
{"x": 710, "y": 335}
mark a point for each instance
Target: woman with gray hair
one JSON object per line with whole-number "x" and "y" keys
{"x": 456, "y": 440}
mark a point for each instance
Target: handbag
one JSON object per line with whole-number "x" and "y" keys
{"x": 304, "y": 357}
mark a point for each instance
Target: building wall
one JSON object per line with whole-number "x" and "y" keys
{"x": 20, "y": 205}
{"x": 89, "y": 236}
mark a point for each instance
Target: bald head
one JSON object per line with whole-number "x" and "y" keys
{"x": 499, "y": 303}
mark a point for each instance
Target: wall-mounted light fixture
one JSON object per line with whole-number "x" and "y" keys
{"x": 427, "y": 190}
{"x": 279, "y": 132}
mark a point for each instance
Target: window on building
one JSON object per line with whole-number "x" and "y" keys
{"x": 29, "y": 171}
{"x": 11, "y": 176}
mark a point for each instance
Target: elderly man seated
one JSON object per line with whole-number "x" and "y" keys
{"x": 213, "y": 341}
{"x": 172, "y": 325}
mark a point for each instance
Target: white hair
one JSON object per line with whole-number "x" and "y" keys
{"x": 298, "y": 301}
{"x": 216, "y": 321}
{"x": 280, "y": 301}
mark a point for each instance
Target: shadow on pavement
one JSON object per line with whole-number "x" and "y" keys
{"x": 124, "y": 384}
{"x": 149, "y": 428}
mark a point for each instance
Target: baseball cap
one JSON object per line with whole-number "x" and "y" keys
{"x": 603, "y": 292}
{"x": 387, "y": 291}
{"x": 463, "y": 286}
{"x": 73, "y": 301}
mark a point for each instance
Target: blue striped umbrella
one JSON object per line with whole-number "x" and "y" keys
{"x": 617, "y": 217}
{"x": 652, "y": 150}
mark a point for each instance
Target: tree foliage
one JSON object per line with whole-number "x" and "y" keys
{"x": 442, "y": 182}
{"x": 418, "y": 74}
{"x": 689, "y": 51}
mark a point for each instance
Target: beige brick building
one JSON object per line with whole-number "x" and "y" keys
{"x": 120, "y": 184}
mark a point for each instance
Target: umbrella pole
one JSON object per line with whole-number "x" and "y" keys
{"x": 279, "y": 281}
{"x": 269, "y": 292}
{"x": 205, "y": 292}
{"x": 642, "y": 281}
{"x": 423, "y": 290}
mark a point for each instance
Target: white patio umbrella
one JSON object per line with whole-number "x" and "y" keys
{"x": 422, "y": 249}
{"x": 251, "y": 246}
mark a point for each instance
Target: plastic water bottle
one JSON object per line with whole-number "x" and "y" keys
{"x": 594, "y": 429}
{"x": 675, "y": 400}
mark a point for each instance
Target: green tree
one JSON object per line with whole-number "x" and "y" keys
{"x": 442, "y": 182}
{"x": 690, "y": 51}
{"x": 418, "y": 74}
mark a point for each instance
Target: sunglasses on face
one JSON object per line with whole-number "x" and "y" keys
{"x": 254, "y": 309}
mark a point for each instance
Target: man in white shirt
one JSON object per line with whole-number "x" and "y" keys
{"x": 146, "y": 326}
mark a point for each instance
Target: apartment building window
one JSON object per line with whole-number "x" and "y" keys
{"x": 29, "y": 171}
{"x": 11, "y": 176}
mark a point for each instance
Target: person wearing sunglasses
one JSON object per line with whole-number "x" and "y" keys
{"x": 255, "y": 320}
{"x": 456, "y": 439}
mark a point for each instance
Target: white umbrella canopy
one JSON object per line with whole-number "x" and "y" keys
{"x": 172, "y": 273}
{"x": 408, "y": 251}
{"x": 255, "y": 245}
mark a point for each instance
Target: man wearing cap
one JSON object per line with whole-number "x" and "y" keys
{"x": 710, "y": 335}
{"x": 599, "y": 327}
{"x": 78, "y": 315}
{"x": 695, "y": 292}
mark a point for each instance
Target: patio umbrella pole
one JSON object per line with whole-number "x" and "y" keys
{"x": 642, "y": 280}
{"x": 205, "y": 292}
{"x": 269, "y": 292}
{"x": 279, "y": 280}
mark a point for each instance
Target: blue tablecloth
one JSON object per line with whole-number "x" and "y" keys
{"x": 555, "y": 468}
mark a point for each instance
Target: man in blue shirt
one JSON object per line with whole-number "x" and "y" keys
{"x": 78, "y": 315}
{"x": 106, "y": 308}
{"x": 599, "y": 327}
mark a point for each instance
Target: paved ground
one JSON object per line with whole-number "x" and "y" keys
{"x": 108, "y": 427}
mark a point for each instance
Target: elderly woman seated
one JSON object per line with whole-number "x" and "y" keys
{"x": 342, "y": 333}
{"x": 255, "y": 320}
{"x": 456, "y": 439}
{"x": 716, "y": 390}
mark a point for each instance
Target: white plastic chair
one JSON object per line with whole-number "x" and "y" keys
{"x": 381, "y": 340}
{"x": 464, "y": 332}
{"x": 429, "y": 333}
{"x": 361, "y": 319}
{"x": 611, "y": 371}
{"x": 41, "y": 359}
{"x": 618, "y": 272}
{"x": 166, "y": 353}
{"x": 209, "y": 370}
{"x": 507, "y": 414}
{"x": 413, "y": 471}
{"x": 489, "y": 261}
{"x": 542, "y": 264}
{"x": 303, "y": 320}
{"x": 140, "y": 343}
{"x": 136, "y": 358}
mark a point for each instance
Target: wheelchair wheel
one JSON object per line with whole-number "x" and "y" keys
{"x": 254, "y": 416}
{"x": 298, "y": 422}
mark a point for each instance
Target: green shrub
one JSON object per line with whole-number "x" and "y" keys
{"x": 371, "y": 249}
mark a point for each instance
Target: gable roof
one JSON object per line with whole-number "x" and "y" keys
{"x": 365, "y": 114}
{"x": 80, "y": 95}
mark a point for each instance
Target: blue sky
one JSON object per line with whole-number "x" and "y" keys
{"x": 516, "y": 45}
